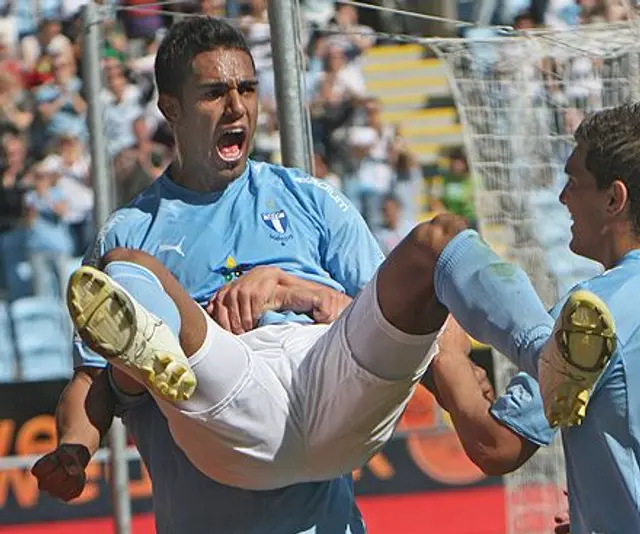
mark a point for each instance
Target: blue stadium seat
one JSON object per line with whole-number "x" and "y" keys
{"x": 7, "y": 361}
{"x": 15, "y": 271}
{"x": 43, "y": 335}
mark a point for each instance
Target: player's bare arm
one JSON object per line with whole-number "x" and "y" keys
{"x": 463, "y": 390}
{"x": 238, "y": 306}
{"x": 83, "y": 417}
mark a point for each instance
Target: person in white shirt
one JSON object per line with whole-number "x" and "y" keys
{"x": 395, "y": 226}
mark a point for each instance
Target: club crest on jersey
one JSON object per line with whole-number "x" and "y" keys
{"x": 276, "y": 221}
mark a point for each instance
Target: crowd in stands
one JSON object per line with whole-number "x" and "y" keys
{"x": 46, "y": 194}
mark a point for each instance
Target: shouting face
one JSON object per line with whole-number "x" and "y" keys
{"x": 214, "y": 119}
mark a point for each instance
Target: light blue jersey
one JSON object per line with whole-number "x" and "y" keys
{"x": 520, "y": 408}
{"x": 495, "y": 302}
{"x": 269, "y": 216}
{"x": 603, "y": 453}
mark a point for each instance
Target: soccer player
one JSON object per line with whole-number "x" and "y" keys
{"x": 494, "y": 303}
{"x": 276, "y": 405}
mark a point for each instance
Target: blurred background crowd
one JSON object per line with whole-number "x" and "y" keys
{"x": 384, "y": 133}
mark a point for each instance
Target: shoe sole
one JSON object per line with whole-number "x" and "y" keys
{"x": 586, "y": 339}
{"x": 105, "y": 319}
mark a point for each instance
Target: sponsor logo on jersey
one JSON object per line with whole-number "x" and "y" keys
{"x": 232, "y": 270}
{"x": 327, "y": 188}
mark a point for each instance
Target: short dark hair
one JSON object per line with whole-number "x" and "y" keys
{"x": 612, "y": 140}
{"x": 184, "y": 41}
{"x": 392, "y": 197}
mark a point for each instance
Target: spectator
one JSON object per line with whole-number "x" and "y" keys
{"x": 69, "y": 9}
{"x": 346, "y": 34}
{"x": 75, "y": 161}
{"x": 322, "y": 171}
{"x": 340, "y": 82}
{"x": 318, "y": 13}
{"x": 382, "y": 149}
{"x": 395, "y": 227}
{"x": 524, "y": 21}
{"x": 28, "y": 14}
{"x": 14, "y": 184}
{"x": 121, "y": 109}
{"x": 369, "y": 179}
{"x": 255, "y": 27}
{"x": 15, "y": 179}
{"x": 213, "y": 8}
{"x": 140, "y": 24}
{"x": 408, "y": 180}
{"x": 339, "y": 90}
{"x": 47, "y": 42}
{"x": 144, "y": 64}
{"x": 138, "y": 165}
{"x": 114, "y": 71}
{"x": 72, "y": 164}
{"x": 457, "y": 190}
{"x": 9, "y": 63}
{"x": 60, "y": 106}
{"x": 266, "y": 145}
{"x": 49, "y": 242}
{"x": 16, "y": 104}
{"x": 116, "y": 42}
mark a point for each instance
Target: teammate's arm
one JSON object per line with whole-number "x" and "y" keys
{"x": 238, "y": 306}
{"x": 492, "y": 446}
{"x": 83, "y": 416}
{"x": 86, "y": 407}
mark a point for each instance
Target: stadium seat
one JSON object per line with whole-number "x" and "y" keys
{"x": 7, "y": 361}
{"x": 15, "y": 271}
{"x": 43, "y": 336}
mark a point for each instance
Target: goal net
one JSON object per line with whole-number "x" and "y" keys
{"x": 520, "y": 98}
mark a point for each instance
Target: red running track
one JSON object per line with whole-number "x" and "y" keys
{"x": 473, "y": 511}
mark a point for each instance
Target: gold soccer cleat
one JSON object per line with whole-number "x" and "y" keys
{"x": 113, "y": 324}
{"x": 573, "y": 359}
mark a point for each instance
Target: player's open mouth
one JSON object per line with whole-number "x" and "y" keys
{"x": 231, "y": 143}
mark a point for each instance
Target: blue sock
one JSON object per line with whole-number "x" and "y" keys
{"x": 147, "y": 290}
{"x": 493, "y": 300}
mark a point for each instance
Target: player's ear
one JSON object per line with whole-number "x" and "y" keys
{"x": 170, "y": 108}
{"x": 617, "y": 196}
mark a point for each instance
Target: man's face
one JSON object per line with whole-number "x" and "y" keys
{"x": 14, "y": 150}
{"x": 335, "y": 59}
{"x": 218, "y": 112}
{"x": 587, "y": 206}
{"x": 390, "y": 213}
{"x": 62, "y": 68}
{"x": 50, "y": 30}
{"x": 117, "y": 84}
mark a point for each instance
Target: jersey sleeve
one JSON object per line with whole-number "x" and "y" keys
{"x": 520, "y": 409}
{"x": 349, "y": 250}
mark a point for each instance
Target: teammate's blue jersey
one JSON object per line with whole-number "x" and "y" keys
{"x": 602, "y": 454}
{"x": 269, "y": 216}
{"x": 520, "y": 408}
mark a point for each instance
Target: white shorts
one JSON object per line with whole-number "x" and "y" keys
{"x": 294, "y": 403}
